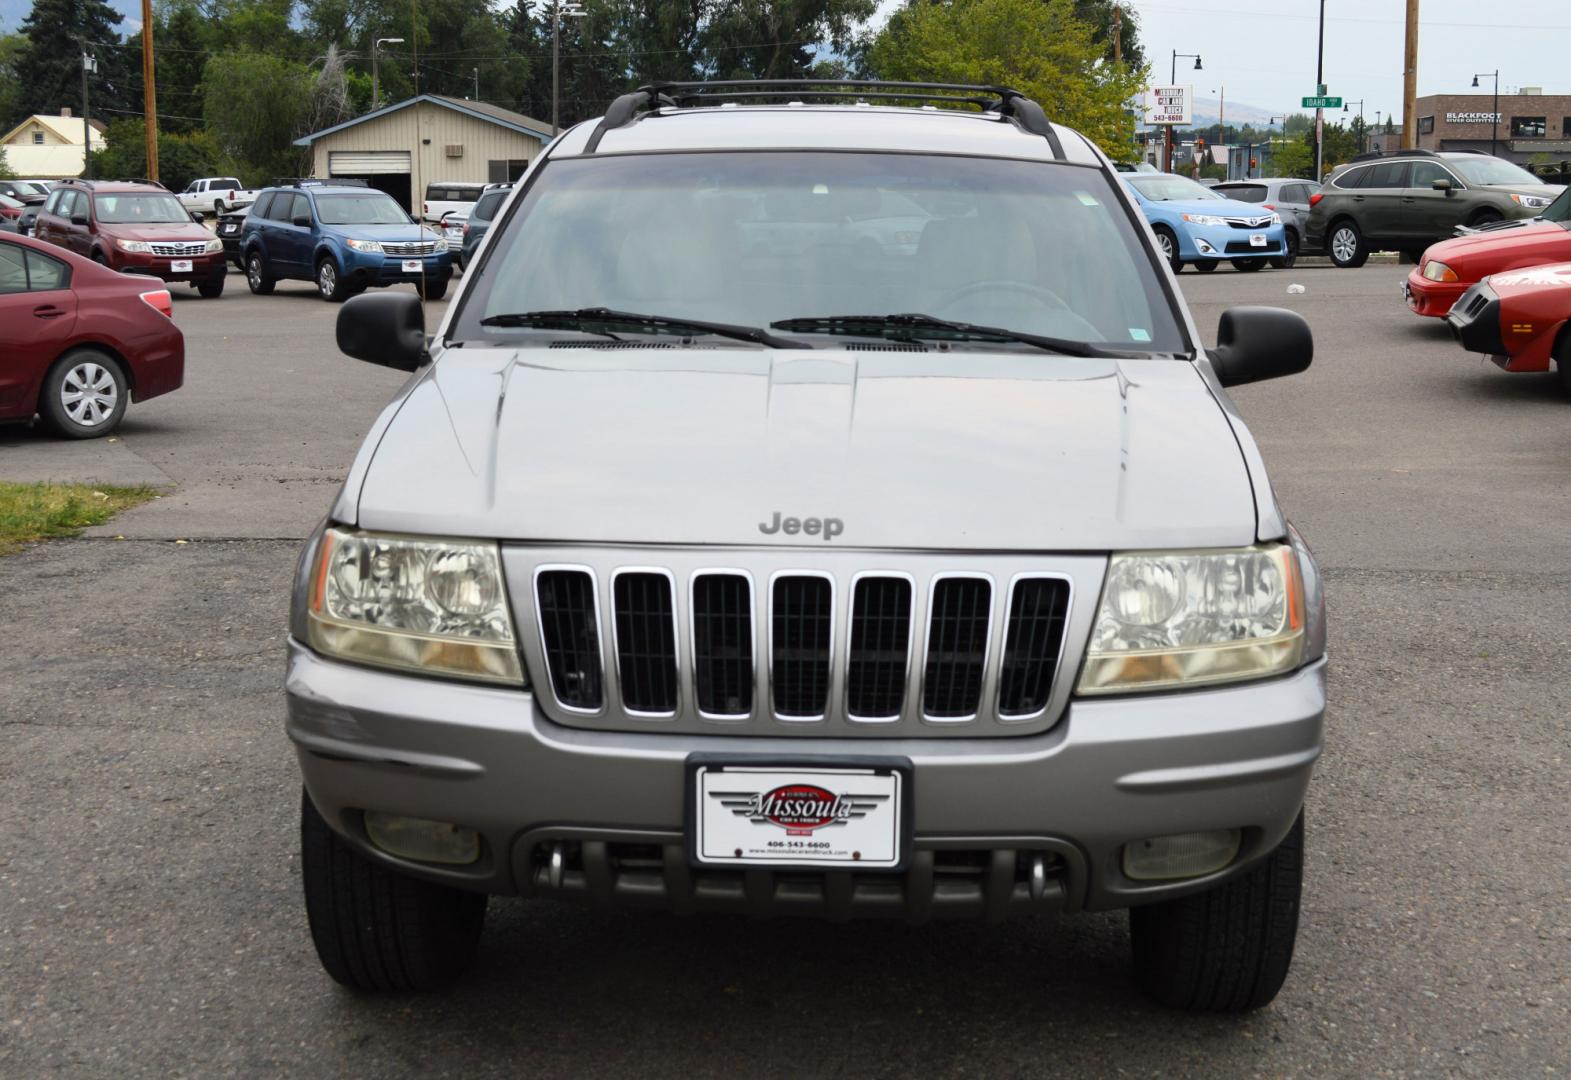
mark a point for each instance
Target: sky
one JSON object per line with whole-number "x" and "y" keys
{"x": 1263, "y": 51}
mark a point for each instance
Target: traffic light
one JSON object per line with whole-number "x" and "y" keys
{"x": 1253, "y": 163}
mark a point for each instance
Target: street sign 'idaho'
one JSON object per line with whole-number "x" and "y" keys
{"x": 1322, "y": 102}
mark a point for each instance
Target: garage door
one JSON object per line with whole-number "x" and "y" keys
{"x": 367, "y": 162}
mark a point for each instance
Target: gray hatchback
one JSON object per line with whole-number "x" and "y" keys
{"x": 814, "y": 508}
{"x": 1288, "y": 196}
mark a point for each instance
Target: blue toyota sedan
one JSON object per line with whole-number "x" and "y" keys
{"x": 342, "y": 236}
{"x": 1194, "y": 224}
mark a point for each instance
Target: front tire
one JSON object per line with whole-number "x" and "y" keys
{"x": 1227, "y": 949}
{"x": 1285, "y": 262}
{"x": 84, "y": 395}
{"x": 1167, "y": 243}
{"x": 211, "y": 289}
{"x": 1347, "y": 246}
{"x": 256, "y": 275}
{"x": 329, "y": 282}
{"x": 376, "y": 930}
{"x": 1249, "y": 266}
{"x": 218, "y": 208}
{"x": 1205, "y": 266}
{"x": 434, "y": 288}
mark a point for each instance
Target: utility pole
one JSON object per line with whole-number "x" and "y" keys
{"x": 560, "y": 9}
{"x": 88, "y": 65}
{"x": 477, "y": 84}
{"x": 1320, "y": 88}
{"x": 376, "y": 85}
{"x": 1410, "y": 79}
{"x": 149, "y": 93}
{"x": 1118, "y": 33}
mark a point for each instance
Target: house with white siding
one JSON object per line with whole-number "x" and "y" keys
{"x": 49, "y": 147}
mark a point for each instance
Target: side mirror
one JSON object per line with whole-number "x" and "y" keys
{"x": 195, "y": 217}
{"x": 78, "y": 219}
{"x": 1441, "y": 185}
{"x": 384, "y": 328}
{"x": 302, "y": 220}
{"x": 1255, "y": 343}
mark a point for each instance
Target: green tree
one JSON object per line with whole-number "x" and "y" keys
{"x": 182, "y": 156}
{"x": 1339, "y": 146}
{"x": 1293, "y": 158}
{"x": 11, "y": 46}
{"x": 256, "y": 106}
{"x": 48, "y": 71}
{"x": 181, "y": 38}
{"x": 5, "y": 168}
{"x": 1099, "y": 13}
{"x": 1036, "y": 46}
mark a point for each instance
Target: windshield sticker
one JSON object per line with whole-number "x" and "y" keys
{"x": 1137, "y": 334}
{"x": 1086, "y": 198}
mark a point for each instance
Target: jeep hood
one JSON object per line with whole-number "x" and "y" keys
{"x": 959, "y": 450}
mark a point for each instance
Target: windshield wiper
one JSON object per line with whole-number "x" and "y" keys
{"x": 912, "y": 327}
{"x": 577, "y": 318}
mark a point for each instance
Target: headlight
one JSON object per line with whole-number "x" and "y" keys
{"x": 138, "y": 246}
{"x": 1276, "y": 219}
{"x": 438, "y": 607}
{"x": 369, "y": 246}
{"x": 214, "y": 245}
{"x": 1195, "y": 617}
{"x": 1435, "y": 270}
{"x": 1532, "y": 202}
{"x": 441, "y": 245}
{"x": 1204, "y": 219}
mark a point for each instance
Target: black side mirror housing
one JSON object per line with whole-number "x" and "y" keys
{"x": 1441, "y": 184}
{"x": 78, "y": 219}
{"x": 302, "y": 220}
{"x": 1255, "y": 343}
{"x": 385, "y": 328}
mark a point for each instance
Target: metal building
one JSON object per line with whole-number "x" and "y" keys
{"x": 406, "y": 147}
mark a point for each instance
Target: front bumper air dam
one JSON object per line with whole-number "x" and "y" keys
{"x": 1112, "y": 771}
{"x": 1475, "y": 321}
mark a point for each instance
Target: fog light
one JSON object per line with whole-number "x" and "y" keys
{"x": 1183, "y": 855}
{"x": 1205, "y": 248}
{"x": 421, "y": 840}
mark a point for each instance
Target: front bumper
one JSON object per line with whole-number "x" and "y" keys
{"x": 1034, "y": 822}
{"x": 203, "y": 267}
{"x": 1475, "y": 321}
{"x": 363, "y": 269}
{"x": 1198, "y": 243}
{"x": 1431, "y": 298}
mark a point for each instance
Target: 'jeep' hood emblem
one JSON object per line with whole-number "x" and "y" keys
{"x": 828, "y": 527}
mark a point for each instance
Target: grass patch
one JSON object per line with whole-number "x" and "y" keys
{"x": 31, "y": 512}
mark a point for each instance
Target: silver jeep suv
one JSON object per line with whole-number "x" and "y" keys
{"x": 816, "y": 501}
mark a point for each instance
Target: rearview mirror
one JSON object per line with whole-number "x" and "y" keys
{"x": 384, "y": 328}
{"x": 1255, "y": 343}
{"x": 1441, "y": 185}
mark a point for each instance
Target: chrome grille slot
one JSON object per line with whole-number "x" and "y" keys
{"x": 1033, "y": 639}
{"x": 404, "y": 250}
{"x": 960, "y": 614}
{"x": 879, "y": 648}
{"x": 749, "y": 641}
{"x": 645, "y": 642}
{"x": 569, "y": 626}
{"x": 723, "y": 644}
{"x": 179, "y": 250}
{"x": 800, "y": 636}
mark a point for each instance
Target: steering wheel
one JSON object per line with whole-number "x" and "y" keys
{"x": 1045, "y": 297}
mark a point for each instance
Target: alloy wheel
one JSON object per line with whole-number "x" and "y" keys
{"x": 1167, "y": 245}
{"x": 1344, "y": 244}
{"x": 327, "y": 279}
{"x": 253, "y": 271}
{"x": 88, "y": 394}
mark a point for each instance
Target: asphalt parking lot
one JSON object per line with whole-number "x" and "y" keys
{"x": 150, "y": 916}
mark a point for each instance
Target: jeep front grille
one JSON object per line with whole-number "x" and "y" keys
{"x": 845, "y": 645}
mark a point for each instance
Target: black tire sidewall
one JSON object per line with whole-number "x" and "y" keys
{"x": 53, "y": 412}
{"x": 1163, "y": 232}
{"x": 261, "y": 284}
{"x": 1360, "y": 249}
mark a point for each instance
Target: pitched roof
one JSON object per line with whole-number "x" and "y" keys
{"x": 480, "y": 110}
{"x": 68, "y": 128}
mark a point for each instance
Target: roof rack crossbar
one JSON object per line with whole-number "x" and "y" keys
{"x": 650, "y": 99}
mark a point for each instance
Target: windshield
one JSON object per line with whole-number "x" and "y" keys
{"x": 752, "y": 239}
{"x": 1168, "y": 188}
{"x": 375, "y": 209}
{"x": 10, "y": 203}
{"x": 140, "y": 210}
{"x": 1492, "y": 170}
{"x": 1560, "y": 209}
{"x": 486, "y": 208}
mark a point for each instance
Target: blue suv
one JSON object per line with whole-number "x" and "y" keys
{"x": 1194, "y": 224}
{"x": 343, "y": 236}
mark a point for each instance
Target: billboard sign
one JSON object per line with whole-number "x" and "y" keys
{"x": 1169, "y": 104}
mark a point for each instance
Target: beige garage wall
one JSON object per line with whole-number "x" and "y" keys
{"x": 427, "y": 130}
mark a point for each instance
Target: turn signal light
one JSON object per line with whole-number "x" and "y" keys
{"x": 160, "y": 301}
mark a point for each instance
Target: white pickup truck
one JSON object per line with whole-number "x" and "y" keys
{"x": 215, "y": 195}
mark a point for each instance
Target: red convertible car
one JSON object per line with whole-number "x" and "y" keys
{"x": 1450, "y": 267}
{"x": 1519, "y": 318}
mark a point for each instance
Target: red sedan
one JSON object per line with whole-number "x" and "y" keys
{"x": 1450, "y": 267}
{"x": 78, "y": 341}
{"x": 1519, "y": 319}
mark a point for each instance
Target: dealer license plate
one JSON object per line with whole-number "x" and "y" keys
{"x": 180, "y": 266}
{"x": 455, "y": 234}
{"x": 803, "y": 814}
{"x": 412, "y": 266}
{"x": 1257, "y": 239}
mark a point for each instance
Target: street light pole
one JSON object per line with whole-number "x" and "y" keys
{"x": 1320, "y": 114}
{"x": 1494, "y": 117}
{"x": 376, "y": 85}
{"x": 560, "y": 9}
{"x": 1173, "y": 79}
{"x": 1361, "y": 131}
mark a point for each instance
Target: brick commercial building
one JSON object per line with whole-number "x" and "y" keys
{"x": 1530, "y": 124}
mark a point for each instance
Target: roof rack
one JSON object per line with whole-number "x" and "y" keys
{"x": 1376, "y": 155}
{"x": 82, "y": 181}
{"x": 650, "y": 99}
{"x": 313, "y": 181}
